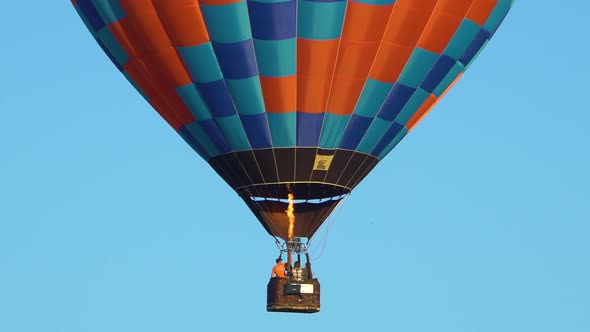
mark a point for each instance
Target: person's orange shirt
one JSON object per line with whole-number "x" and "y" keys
{"x": 278, "y": 270}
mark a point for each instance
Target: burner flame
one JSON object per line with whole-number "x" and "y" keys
{"x": 291, "y": 215}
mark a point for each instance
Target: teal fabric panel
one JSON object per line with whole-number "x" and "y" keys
{"x": 201, "y": 62}
{"x": 227, "y": 23}
{"x": 193, "y": 101}
{"x": 247, "y": 95}
{"x": 373, "y": 135}
{"x": 419, "y": 65}
{"x": 106, "y": 37}
{"x": 276, "y": 58}
{"x": 498, "y": 15}
{"x": 448, "y": 80}
{"x": 282, "y": 128}
{"x": 110, "y": 11}
{"x": 269, "y": 1}
{"x": 418, "y": 98}
{"x": 333, "y": 130}
{"x": 201, "y": 136}
{"x": 372, "y": 98}
{"x": 393, "y": 143}
{"x": 462, "y": 39}
{"x": 320, "y": 20}
{"x": 232, "y": 129}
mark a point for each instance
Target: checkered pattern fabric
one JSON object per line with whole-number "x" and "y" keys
{"x": 233, "y": 75}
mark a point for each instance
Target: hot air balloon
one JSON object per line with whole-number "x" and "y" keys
{"x": 291, "y": 102}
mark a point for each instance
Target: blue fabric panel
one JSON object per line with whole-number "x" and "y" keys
{"x": 462, "y": 38}
{"x": 273, "y": 20}
{"x": 376, "y": 2}
{"x": 193, "y": 143}
{"x": 390, "y": 134}
{"x": 232, "y": 129}
{"x": 257, "y": 130}
{"x": 236, "y": 60}
{"x": 227, "y": 23}
{"x": 276, "y": 58}
{"x": 110, "y": 10}
{"x": 418, "y": 66}
{"x": 497, "y": 15}
{"x": 115, "y": 50}
{"x": 438, "y": 73}
{"x": 372, "y": 97}
{"x": 109, "y": 54}
{"x": 87, "y": 23}
{"x": 86, "y": 7}
{"x": 201, "y": 62}
{"x": 199, "y": 134}
{"x": 476, "y": 45}
{"x": 355, "y": 130}
{"x": 412, "y": 106}
{"x": 448, "y": 80}
{"x": 333, "y": 129}
{"x": 193, "y": 101}
{"x": 393, "y": 143}
{"x": 309, "y": 127}
{"x": 215, "y": 135}
{"x": 395, "y": 102}
{"x": 282, "y": 128}
{"x": 320, "y": 20}
{"x": 247, "y": 95}
{"x": 375, "y": 133}
{"x": 476, "y": 54}
{"x": 217, "y": 98}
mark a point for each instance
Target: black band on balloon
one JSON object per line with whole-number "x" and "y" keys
{"x": 259, "y": 168}
{"x": 317, "y": 178}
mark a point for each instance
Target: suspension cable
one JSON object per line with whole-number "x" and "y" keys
{"x": 331, "y": 220}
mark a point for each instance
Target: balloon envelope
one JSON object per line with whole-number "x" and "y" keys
{"x": 301, "y": 97}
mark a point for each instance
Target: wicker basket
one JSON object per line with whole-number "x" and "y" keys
{"x": 286, "y": 295}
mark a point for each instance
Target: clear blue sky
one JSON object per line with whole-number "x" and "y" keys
{"x": 109, "y": 222}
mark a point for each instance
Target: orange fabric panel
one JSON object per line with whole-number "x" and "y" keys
{"x": 137, "y": 71}
{"x": 363, "y": 31}
{"x": 390, "y": 61}
{"x": 400, "y": 38}
{"x": 183, "y": 21}
{"x": 354, "y": 63}
{"x": 175, "y": 107}
{"x": 409, "y": 19}
{"x": 117, "y": 30}
{"x": 147, "y": 36}
{"x": 164, "y": 100}
{"x": 315, "y": 67}
{"x": 443, "y": 24}
{"x": 216, "y": 2}
{"x": 348, "y": 94}
{"x": 280, "y": 93}
{"x": 154, "y": 64}
{"x": 428, "y": 105}
{"x": 422, "y": 111}
{"x": 365, "y": 22}
{"x": 480, "y": 10}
